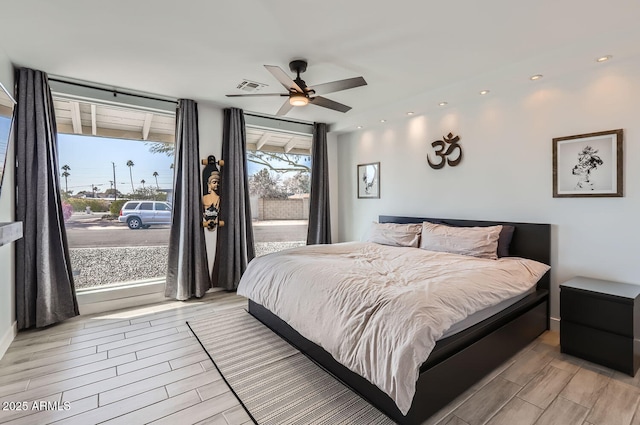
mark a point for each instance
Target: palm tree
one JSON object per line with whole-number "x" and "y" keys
{"x": 130, "y": 164}
{"x": 155, "y": 174}
{"x": 66, "y": 174}
{"x": 143, "y": 182}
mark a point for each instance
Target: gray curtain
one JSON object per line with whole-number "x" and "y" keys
{"x": 45, "y": 293}
{"x": 187, "y": 271}
{"x": 235, "y": 247}
{"x": 319, "y": 230}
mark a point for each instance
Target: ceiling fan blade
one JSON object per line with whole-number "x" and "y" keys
{"x": 334, "y": 86}
{"x": 257, "y": 94}
{"x": 285, "y": 108}
{"x": 284, "y": 78}
{"x": 328, "y": 103}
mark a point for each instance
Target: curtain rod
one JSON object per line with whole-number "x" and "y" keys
{"x": 114, "y": 91}
{"x": 253, "y": 114}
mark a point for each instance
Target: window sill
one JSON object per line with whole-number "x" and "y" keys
{"x": 101, "y": 299}
{"x": 116, "y": 297}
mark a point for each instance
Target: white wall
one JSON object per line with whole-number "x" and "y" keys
{"x": 334, "y": 185}
{"x": 506, "y": 173}
{"x": 7, "y": 205}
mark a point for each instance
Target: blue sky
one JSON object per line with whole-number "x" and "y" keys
{"x": 90, "y": 161}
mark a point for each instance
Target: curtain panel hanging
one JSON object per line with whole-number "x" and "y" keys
{"x": 319, "y": 230}
{"x": 187, "y": 269}
{"x": 45, "y": 291}
{"x": 235, "y": 246}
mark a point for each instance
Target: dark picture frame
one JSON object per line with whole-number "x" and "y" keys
{"x": 588, "y": 165}
{"x": 368, "y": 176}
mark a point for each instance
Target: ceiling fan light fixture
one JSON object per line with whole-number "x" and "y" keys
{"x": 299, "y": 94}
{"x": 298, "y": 99}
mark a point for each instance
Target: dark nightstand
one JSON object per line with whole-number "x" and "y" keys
{"x": 600, "y": 322}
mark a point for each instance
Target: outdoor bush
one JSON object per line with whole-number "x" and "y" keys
{"x": 96, "y": 205}
{"x": 67, "y": 210}
{"x": 116, "y": 206}
{"x": 148, "y": 193}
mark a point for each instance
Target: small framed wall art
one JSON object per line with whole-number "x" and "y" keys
{"x": 369, "y": 180}
{"x": 588, "y": 165}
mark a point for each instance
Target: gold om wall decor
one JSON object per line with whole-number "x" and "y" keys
{"x": 443, "y": 151}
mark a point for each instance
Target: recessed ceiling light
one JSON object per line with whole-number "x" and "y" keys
{"x": 359, "y": 127}
{"x": 604, "y": 58}
{"x": 442, "y": 103}
{"x": 535, "y": 77}
{"x": 410, "y": 113}
{"x": 484, "y": 92}
{"x": 383, "y": 120}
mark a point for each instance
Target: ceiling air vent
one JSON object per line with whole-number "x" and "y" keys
{"x": 250, "y": 86}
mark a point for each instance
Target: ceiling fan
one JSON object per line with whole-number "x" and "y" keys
{"x": 298, "y": 92}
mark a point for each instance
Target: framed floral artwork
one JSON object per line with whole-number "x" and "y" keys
{"x": 588, "y": 165}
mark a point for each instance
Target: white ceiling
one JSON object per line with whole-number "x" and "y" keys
{"x": 76, "y": 117}
{"x": 277, "y": 141}
{"x": 89, "y": 118}
{"x": 413, "y": 53}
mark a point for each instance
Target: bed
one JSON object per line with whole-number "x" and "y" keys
{"x": 458, "y": 361}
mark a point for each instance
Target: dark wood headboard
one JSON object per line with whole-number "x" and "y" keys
{"x": 530, "y": 240}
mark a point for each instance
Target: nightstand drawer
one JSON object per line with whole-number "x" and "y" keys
{"x": 601, "y": 347}
{"x": 597, "y": 311}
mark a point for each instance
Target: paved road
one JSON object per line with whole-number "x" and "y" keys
{"x": 90, "y": 231}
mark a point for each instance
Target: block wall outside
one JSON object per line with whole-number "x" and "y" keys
{"x": 281, "y": 209}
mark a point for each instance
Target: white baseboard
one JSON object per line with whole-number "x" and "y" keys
{"x": 111, "y": 305}
{"x": 101, "y": 300}
{"x": 554, "y": 324}
{"x": 7, "y": 338}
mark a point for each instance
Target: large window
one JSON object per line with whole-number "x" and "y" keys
{"x": 279, "y": 168}
{"x": 116, "y": 177}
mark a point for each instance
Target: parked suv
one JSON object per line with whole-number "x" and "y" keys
{"x": 142, "y": 214}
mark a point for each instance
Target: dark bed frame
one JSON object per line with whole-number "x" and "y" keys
{"x": 459, "y": 361}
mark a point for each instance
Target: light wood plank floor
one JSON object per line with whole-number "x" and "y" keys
{"x": 143, "y": 365}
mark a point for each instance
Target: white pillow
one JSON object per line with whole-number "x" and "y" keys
{"x": 395, "y": 234}
{"x": 474, "y": 241}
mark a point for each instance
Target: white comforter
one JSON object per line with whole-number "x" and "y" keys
{"x": 379, "y": 310}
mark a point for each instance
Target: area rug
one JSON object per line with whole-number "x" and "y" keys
{"x": 276, "y": 383}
